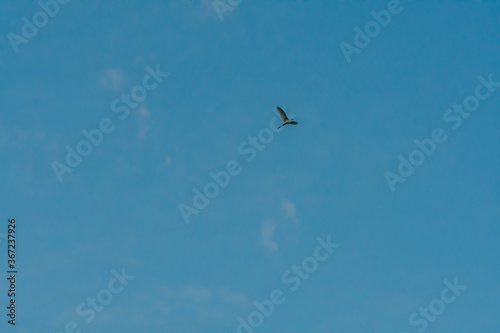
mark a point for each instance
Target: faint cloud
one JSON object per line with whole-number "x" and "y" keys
{"x": 205, "y": 304}
{"x": 112, "y": 79}
{"x": 165, "y": 163}
{"x": 198, "y": 294}
{"x": 174, "y": 307}
{"x": 267, "y": 235}
{"x": 205, "y": 10}
{"x": 289, "y": 208}
{"x": 144, "y": 112}
{"x": 144, "y": 122}
{"x": 231, "y": 297}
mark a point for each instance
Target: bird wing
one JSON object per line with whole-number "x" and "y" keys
{"x": 282, "y": 114}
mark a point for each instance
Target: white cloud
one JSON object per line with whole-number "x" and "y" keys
{"x": 267, "y": 234}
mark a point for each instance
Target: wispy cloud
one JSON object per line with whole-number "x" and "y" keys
{"x": 204, "y": 295}
{"x": 112, "y": 79}
{"x": 290, "y": 210}
{"x": 144, "y": 122}
{"x": 172, "y": 306}
{"x": 267, "y": 235}
{"x": 144, "y": 112}
{"x": 196, "y": 294}
{"x": 201, "y": 302}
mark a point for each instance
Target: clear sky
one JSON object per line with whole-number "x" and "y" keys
{"x": 119, "y": 207}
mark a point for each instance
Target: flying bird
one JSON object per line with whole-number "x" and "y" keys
{"x": 285, "y": 119}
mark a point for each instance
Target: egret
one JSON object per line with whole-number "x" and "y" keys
{"x": 285, "y": 119}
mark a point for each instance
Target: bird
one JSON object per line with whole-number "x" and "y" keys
{"x": 285, "y": 119}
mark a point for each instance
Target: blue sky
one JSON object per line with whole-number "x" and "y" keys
{"x": 119, "y": 210}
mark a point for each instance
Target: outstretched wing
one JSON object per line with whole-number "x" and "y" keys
{"x": 282, "y": 114}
